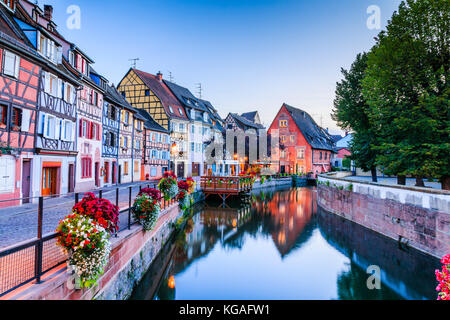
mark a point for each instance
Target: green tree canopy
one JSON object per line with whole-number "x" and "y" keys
{"x": 407, "y": 89}
{"x": 351, "y": 112}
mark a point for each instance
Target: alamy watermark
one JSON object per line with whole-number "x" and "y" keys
{"x": 374, "y": 280}
{"x": 74, "y": 20}
{"x": 374, "y": 20}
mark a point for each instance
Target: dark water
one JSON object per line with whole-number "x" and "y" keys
{"x": 278, "y": 245}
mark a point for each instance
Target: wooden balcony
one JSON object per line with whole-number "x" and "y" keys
{"x": 226, "y": 186}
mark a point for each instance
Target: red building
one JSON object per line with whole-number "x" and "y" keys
{"x": 304, "y": 146}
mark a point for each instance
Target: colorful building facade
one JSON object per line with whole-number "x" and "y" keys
{"x": 304, "y": 146}
{"x": 149, "y": 92}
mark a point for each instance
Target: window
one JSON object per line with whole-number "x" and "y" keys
{"x": 86, "y": 168}
{"x": 125, "y": 142}
{"x": 193, "y": 129}
{"x": 127, "y": 117}
{"x": 292, "y": 139}
{"x": 11, "y": 63}
{"x": 153, "y": 172}
{"x": 181, "y": 111}
{"x": 283, "y": 123}
{"x": 125, "y": 168}
{"x": 301, "y": 154}
{"x": 283, "y": 154}
{"x": 139, "y": 125}
{"x": 95, "y": 102}
{"x": 3, "y": 114}
{"x": 16, "y": 121}
{"x": 136, "y": 166}
{"x": 49, "y": 127}
{"x": 192, "y": 146}
{"x": 112, "y": 113}
{"x": 193, "y": 114}
{"x": 68, "y": 131}
{"x": 84, "y": 129}
{"x": 283, "y": 139}
{"x": 205, "y": 117}
{"x": 170, "y": 109}
{"x": 147, "y": 93}
{"x": 181, "y": 127}
{"x": 321, "y": 156}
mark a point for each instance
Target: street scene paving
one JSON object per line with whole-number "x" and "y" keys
{"x": 19, "y": 224}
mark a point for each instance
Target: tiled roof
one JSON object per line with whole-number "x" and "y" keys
{"x": 186, "y": 97}
{"x": 250, "y": 115}
{"x": 316, "y": 136}
{"x": 245, "y": 123}
{"x": 163, "y": 93}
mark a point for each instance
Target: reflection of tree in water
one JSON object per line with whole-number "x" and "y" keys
{"x": 352, "y": 285}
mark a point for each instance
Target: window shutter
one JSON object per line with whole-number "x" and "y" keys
{"x": 16, "y": 66}
{"x": 26, "y": 115}
{"x": 98, "y": 132}
{"x": 80, "y": 134}
{"x": 47, "y": 82}
{"x": 45, "y": 126}
{"x": 60, "y": 92}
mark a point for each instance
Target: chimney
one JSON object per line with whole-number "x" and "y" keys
{"x": 159, "y": 75}
{"x": 48, "y": 12}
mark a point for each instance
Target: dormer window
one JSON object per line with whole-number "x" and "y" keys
{"x": 181, "y": 111}
{"x": 170, "y": 109}
{"x": 205, "y": 117}
{"x": 193, "y": 114}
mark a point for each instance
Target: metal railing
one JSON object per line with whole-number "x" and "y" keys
{"x": 29, "y": 261}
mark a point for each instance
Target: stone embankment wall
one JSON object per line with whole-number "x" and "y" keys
{"x": 132, "y": 254}
{"x": 418, "y": 217}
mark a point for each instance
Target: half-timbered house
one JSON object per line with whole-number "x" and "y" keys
{"x": 111, "y": 129}
{"x": 52, "y": 170}
{"x": 150, "y": 93}
{"x": 156, "y": 148}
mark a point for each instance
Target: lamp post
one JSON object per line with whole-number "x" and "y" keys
{"x": 173, "y": 151}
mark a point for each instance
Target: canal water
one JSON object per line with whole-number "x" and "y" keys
{"x": 277, "y": 245}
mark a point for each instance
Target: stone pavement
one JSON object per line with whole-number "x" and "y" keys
{"x": 19, "y": 224}
{"x": 393, "y": 181}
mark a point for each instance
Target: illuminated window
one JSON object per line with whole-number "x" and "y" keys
{"x": 283, "y": 123}
{"x": 301, "y": 154}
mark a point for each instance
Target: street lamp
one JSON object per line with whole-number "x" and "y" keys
{"x": 173, "y": 151}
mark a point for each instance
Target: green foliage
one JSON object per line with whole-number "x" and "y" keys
{"x": 407, "y": 90}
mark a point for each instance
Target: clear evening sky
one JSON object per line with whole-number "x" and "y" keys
{"x": 247, "y": 54}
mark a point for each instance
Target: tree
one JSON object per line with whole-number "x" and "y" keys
{"x": 351, "y": 112}
{"x": 407, "y": 90}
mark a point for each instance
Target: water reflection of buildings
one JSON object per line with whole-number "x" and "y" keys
{"x": 290, "y": 216}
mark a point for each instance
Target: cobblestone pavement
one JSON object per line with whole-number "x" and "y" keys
{"x": 19, "y": 224}
{"x": 393, "y": 181}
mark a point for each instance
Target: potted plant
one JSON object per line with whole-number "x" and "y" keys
{"x": 169, "y": 186}
{"x": 100, "y": 210}
{"x": 87, "y": 244}
{"x": 146, "y": 211}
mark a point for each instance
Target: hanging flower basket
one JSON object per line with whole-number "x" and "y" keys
{"x": 87, "y": 245}
{"x": 146, "y": 211}
{"x": 169, "y": 186}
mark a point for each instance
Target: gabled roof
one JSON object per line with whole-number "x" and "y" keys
{"x": 250, "y": 115}
{"x": 114, "y": 96}
{"x": 336, "y": 137}
{"x": 149, "y": 123}
{"x": 186, "y": 97}
{"x": 316, "y": 136}
{"x": 165, "y": 95}
{"x": 244, "y": 123}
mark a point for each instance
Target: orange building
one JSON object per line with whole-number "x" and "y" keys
{"x": 304, "y": 146}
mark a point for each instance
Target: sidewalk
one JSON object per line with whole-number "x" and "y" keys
{"x": 393, "y": 181}
{"x": 19, "y": 224}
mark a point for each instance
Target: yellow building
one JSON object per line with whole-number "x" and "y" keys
{"x": 148, "y": 92}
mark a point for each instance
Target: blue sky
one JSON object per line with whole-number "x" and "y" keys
{"x": 247, "y": 54}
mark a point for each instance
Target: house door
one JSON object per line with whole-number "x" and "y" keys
{"x": 49, "y": 176}
{"x": 114, "y": 177}
{"x": 283, "y": 170}
{"x": 26, "y": 180}
{"x": 195, "y": 169}
{"x": 97, "y": 174}
{"x": 180, "y": 170}
{"x": 120, "y": 174}
{"x": 71, "y": 178}
{"x": 106, "y": 178}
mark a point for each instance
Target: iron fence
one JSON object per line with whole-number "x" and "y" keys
{"x": 30, "y": 261}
